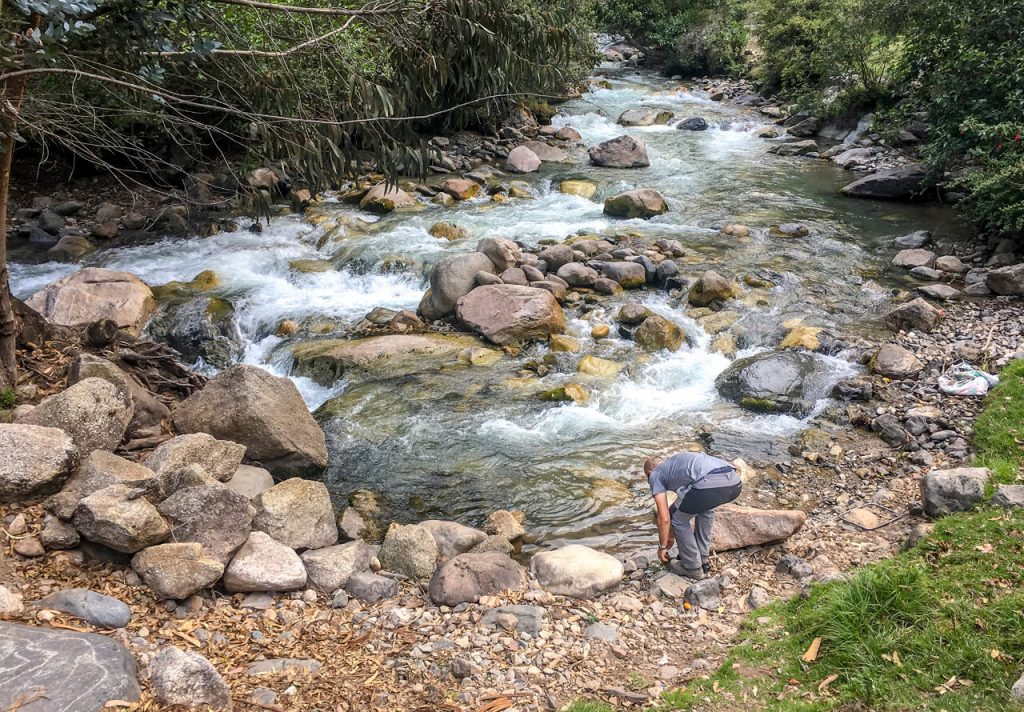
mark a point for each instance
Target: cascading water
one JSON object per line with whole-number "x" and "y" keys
{"x": 460, "y": 442}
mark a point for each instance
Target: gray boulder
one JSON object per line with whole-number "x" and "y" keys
{"x": 621, "y": 152}
{"x": 370, "y": 588}
{"x": 902, "y": 183}
{"x": 737, "y": 527}
{"x": 409, "y": 550}
{"x": 1009, "y": 496}
{"x": 576, "y": 571}
{"x": 249, "y": 481}
{"x": 176, "y": 571}
{"x": 100, "y": 610}
{"x": 522, "y": 160}
{"x": 297, "y": 513}
{"x": 451, "y": 279}
{"x": 121, "y": 518}
{"x": 1008, "y": 281}
{"x": 556, "y": 256}
{"x": 34, "y": 460}
{"x": 706, "y": 594}
{"x": 187, "y": 679}
{"x": 709, "y": 288}
{"x": 263, "y": 564}
{"x": 776, "y": 382}
{"x": 72, "y": 671}
{"x": 263, "y": 412}
{"x": 917, "y": 315}
{"x": 201, "y": 329}
{"x": 695, "y": 123}
{"x": 100, "y": 470}
{"x": 467, "y": 577}
{"x": 93, "y": 412}
{"x": 958, "y": 490}
{"x": 331, "y": 567}
{"x": 914, "y": 240}
{"x": 910, "y": 259}
{"x": 894, "y": 361}
{"x": 452, "y": 538}
{"x": 213, "y": 516}
{"x": 147, "y": 410}
{"x": 174, "y": 461}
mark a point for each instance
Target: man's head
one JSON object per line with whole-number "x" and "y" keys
{"x": 649, "y": 465}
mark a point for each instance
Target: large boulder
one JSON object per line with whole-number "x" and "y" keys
{"x": 546, "y": 152}
{"x": 467, "y": 577}
{"x": 629, "y": 275}
{"x": 737, "y": 527}
{"x": 266, "y": 413}
{"x": 958, "y": 490}
{"x": 507, "y": 313}
{"x": 643, "y": 117}
{"x": 200, "y": 329}
{"x": 214, "y": 516}
{"x": 902, "y": 183}
{"x": 92, "y": 294}
{"x": 776, "y": 382}
{"x": 912, "y": 258}
{"x": 47, "y": 669}
{"x": 917, "y": 315}
{"x": 1007, "y": 281}
{"x": 409, "y": 550}
{"x": 94, "y": 412}
{"x": 385, "y": 356}
{"x": 297, "y": 513}
{"x": 176, "y": 571}
{"x": 383, "y": 198}
{"x": 331, "y": 567}
{"x": 186, "y": 457}
{"x": 577, "y": 571}
{"x": 147, "y": 410}
{"x": 657, "y": 333}
{"x": 640, "y": 203}
{"x": 263, "y": 564}
{"x": 100, "y": 470}
{"x": 522, "y": 160}
{"x": 461, "y": 188}
{"x": 621, "y": 152}
{"x": 34, "y": 460}
{"x": 505, "y": 254}
{"x": 451, "y": 279}
{"x": 709, "y": 288}
{"x": 452, "y": 538}
{"x": 183, "y": 678}
{"x": 894, "y": 361}
{"x": 121, "y": 518}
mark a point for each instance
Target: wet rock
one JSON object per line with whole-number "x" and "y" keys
{"x": 958, "y": 490}
{"x": 568, "y": 133}
{"x": 779, "y": 382}
{"x": 409, "y": 550}
{"x": 737, "y": 527}
{"x": 556, "y": 256}
{"x": 186, "y": 678}
{"x": 794, "y": 148}
{"x": 639, "y": 117}
{"x": 384, "y": 199}
{"x": 173, "y": 460}
{"x": 121, "y": 518}
{"x": 448, "y": 231}
{"x": 581, "y": 188}
{"x": 706, "y": 594}
{"x": 1009, "y": 496}
{"x": 792, "y": 565}
{"x": 93, "y": 412}
{"x": 176, "y": 571}
{"x": 508, "y": 525}
{"x": 657, "y": 333}
{"x": 594, "y": 366}
{"x": 914, "y": 240}
{"x": 453, "y": 278}
{"x": 249, "y": 481}
{"x": 266, "y": 413}
{"x": 709, "y": 288}
{"x": 620, "y": 152}
{"x": 894, "y": 361}
{"x": 1008, "y": 281}
{"x": 641, "y": 203}
{"x": 72, "y": 248}
{"x": 75, "y": 671}
{"x": 504, "y": 254}
{"x": 200, "y": 329}
{"x": 453, "y": 538}
{"x": 576, "y": 571}
{"x": 696, "y": 123}
{"x": 461, "y": 188}
{"x": 370, "y": 588}
{"x": 34, "y": 460}
{"x": 387, "y": 356}
{"x": 632, "y": 313}
{"x": 331, "y": 567}
{"x": 214, "y": 516}
{"x": 95, "y": 608}
{"x": 917, "y": 315}
{"x": 791, "y": 230}
{"x": 351, "y": 525}
{"x": 467, "y": 577}
{"x": 902, "y": 183}
{"x": 297, "y": 513}
{"x": 507, "y": 314}
{"x": 92, "y": 294}
{"x": 263, "y": 564}
{"x": 522, "y": 160}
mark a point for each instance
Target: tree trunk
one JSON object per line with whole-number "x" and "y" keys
{"x": 8, "y": 324}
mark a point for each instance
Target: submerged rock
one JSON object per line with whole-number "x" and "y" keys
{"x": 641, "y": 203}
{"x": 779, "y": 382}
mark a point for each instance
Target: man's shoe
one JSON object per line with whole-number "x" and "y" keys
{"x": 706, "y": 565}
{"x": 676, "y": 567}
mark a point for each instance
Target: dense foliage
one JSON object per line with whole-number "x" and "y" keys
{"x": 695, "y": 36}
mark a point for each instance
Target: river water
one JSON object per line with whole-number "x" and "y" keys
{"x": 461, "y": 442}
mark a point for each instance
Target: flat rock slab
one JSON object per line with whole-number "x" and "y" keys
{"x": 45, "y": 670}
{"x": 275, "y": 665}
{"x": 100, "y": 610}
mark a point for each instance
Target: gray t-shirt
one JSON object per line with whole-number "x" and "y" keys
{"x": 695, "y": 470}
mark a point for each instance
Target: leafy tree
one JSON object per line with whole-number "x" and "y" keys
{"x": 143, "y": 86}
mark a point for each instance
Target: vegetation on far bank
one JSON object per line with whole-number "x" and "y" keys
{"x": 935, "y": 628}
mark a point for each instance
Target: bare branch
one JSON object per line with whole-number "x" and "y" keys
{"x": 296, "y": 9}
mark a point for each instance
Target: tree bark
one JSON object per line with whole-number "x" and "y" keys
{"x": 8, "y": 324}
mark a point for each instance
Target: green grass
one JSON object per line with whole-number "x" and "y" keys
{"x": 588, "y": 706}
{"x": 936, "y": 628}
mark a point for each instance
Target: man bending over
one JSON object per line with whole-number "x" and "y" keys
{"x": 701, "y": 483}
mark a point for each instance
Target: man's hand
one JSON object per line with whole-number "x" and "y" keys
{"x": 663, "y": 555}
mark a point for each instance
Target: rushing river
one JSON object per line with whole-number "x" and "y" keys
{"x": 463, "y": 441}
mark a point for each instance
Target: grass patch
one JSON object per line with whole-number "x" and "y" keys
{"x": 936, "y": 628}
{"x": 588, "y": 706}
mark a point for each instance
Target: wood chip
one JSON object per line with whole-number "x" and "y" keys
{"x": 812, "y": 652}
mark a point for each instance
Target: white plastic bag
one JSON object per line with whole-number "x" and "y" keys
{"x": 965, "y": 380}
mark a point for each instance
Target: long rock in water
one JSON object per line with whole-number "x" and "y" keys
{"x": 63, "y": 670}
{"x": 736, "y": 527}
